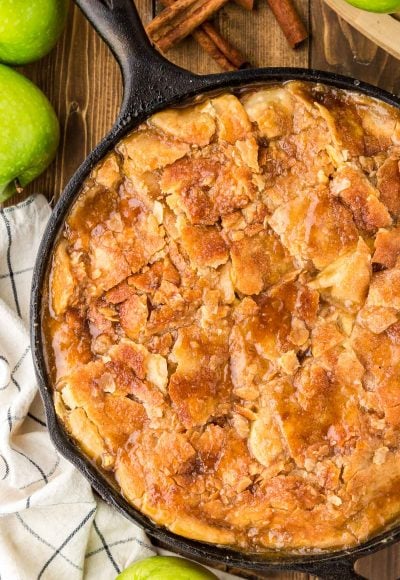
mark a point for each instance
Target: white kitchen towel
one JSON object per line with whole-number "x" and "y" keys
{"x": 52, "y": 526}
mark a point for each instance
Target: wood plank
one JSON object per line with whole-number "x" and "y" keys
{"x": 384, "y": 565}
{"x": 381, "y": 29}
{"x": 338, "y": 47}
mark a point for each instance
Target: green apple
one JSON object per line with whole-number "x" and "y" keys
{"x": 29, "y": 28}
{"x": 29, "y": 131}
{"x": 388, "y": 6}
{"x": 166, "y": 568}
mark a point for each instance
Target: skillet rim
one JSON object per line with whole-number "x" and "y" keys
{"x": 322, "y": 562}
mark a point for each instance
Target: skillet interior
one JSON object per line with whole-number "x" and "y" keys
{"x": 171, "y": 85}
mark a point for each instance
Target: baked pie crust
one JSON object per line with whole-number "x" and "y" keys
{"x": 223, "y": 323}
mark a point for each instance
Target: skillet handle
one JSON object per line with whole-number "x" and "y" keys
{"x": 149, "y": 79}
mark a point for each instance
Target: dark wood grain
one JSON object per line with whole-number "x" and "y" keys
{"x": 83, "y": 82}
{"x": 340, "y": 48}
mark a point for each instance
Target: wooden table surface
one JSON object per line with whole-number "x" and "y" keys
{"x": 83, "y": 82}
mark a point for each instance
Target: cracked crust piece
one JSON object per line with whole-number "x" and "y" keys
{"x": 223, "y": 322}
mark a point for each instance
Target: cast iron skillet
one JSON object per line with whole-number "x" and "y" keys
{"x": 152, "y": 83}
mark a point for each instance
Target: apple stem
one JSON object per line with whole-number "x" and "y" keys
{"x": 18, "y": 186}
{"x": 7, "y": 190}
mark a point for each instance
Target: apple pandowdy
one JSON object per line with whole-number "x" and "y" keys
{"x": 223, "y": 324}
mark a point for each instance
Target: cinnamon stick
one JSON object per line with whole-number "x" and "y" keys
{"x": 204, "y": 40}
{"x": 179, "y": 20}
{"x": 289, "y": 20}
{"x": 246, "y": 4}
{"x": 166, "y": 16}
{"x": 210, "y": 47}
{"x": 226, "y": 48}
{"x": 217, "y": 47}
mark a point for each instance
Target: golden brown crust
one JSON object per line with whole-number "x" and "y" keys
{"x": 388, "y": 183}
{"x": 224, "y": 318}
{"x": 387, "y": 248}
{"x": 358, "y": 194}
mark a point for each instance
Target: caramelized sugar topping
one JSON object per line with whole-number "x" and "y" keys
{"x": 224, "y": 318}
